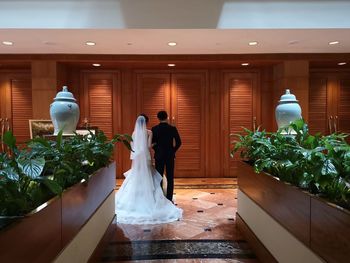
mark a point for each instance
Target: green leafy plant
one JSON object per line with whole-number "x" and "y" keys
{"x": 319, "y": 164}
{"x": 32, "y": 175}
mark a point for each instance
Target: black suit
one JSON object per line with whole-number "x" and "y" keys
{"x": 164, "y": 152}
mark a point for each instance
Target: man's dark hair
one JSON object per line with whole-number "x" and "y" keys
{"x": 162, "y": 115}
{"x": 145, "y": 116}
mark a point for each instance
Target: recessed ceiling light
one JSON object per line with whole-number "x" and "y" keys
{"x": 96, "y": 65}
{"x": 342, "y": 63}
{"x": 7, "y": 43}
{"x": 172, "y": 44}
{"x": 253, "y": 43}
{"x": 90, "y": 43}
{"x": 49, "y": 43}
{"x": 171, "y": 65}
{"x": 333, "y": 43}
{"x": 293, "y": 42}
{"x": 245, "y": 64}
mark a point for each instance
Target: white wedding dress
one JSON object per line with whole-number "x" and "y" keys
{"x": 140, "y": 199}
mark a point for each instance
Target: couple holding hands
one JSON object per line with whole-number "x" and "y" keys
{"x": 140, "y": 199}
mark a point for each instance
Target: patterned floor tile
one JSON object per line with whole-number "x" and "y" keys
{"x": 189, "y": 239}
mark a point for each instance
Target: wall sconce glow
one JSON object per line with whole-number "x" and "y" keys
{"x": 171, "y": 65}
{"x": 96, "y": 65}
{"x": 342, "y": 63}
{"x": 333, "y": 43}
{"x": 172, "y": 44}
{"x": 245, "y": 64}
{"x": 7, "y": 43}
{"x": 253, "y": 43}
{"x": 90, "y": 43}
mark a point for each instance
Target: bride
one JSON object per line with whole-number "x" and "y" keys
{"x": 140, "y": 199}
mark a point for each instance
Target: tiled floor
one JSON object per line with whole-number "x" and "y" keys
{"x": 206, "y": 233}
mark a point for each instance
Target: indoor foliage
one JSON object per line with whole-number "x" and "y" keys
{"x": 319, "y": 164}
{"x": 32, "y": 175}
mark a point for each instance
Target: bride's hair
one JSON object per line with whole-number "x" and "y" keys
{"x": 145, "y": 116}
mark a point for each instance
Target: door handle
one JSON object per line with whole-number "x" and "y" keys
{"x": 173, "y": 121}
{"x": 330, "y": 119}
{"x": 335, "y": 124}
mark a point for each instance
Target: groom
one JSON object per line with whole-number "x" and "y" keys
{"x": 163, "y": 139}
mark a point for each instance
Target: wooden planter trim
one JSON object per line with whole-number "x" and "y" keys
{"x": 322, "y": 226}
{"x": 39, "y": 236}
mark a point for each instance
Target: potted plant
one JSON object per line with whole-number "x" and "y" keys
{"x": 40, "y": 182}
{"x": 302, "y": 181}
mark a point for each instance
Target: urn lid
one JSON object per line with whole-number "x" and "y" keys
{"x": 64, "y": 95}
{"x": 288, "y": 97}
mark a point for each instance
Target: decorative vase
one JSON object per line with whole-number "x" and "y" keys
{"x": 288, "y": 110}
{"x": 64, "y": 112}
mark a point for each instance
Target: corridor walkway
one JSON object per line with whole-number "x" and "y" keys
{"x": 207, "y": 232}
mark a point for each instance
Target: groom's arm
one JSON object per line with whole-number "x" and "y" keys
{"x": 177, "y": 140}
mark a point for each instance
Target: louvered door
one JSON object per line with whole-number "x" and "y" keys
{"x": 153, "y": 95}
{"x": 319, "y": 121}
{"x": 239, "y": 112}
{"x": 188, "y": 115}
{"x": 343, "y": 106}
{"x": 21, "y": 100}
{"x": 329, "y": 107}
{"x": 182, "y": 96}
{"x": 98, "y": 100}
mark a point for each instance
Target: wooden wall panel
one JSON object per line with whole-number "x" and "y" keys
{"x": 188, "y": 115}
{"x": 214, "y": 127}
{"x": 318, "y": 120}
{"x": 293, "y": 75}
{"x": 128, "y": 114}
{"x": 343, "y": 120}
{"x": 21, "y": 98}
{"x": 44, "y": 87}
{"x": 267, "y": 108}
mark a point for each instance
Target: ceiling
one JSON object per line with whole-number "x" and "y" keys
{"x": 198, "y": 26}
{"x": 189, "y": 41}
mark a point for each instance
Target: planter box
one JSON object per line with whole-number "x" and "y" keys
{"x": 330, "y": 231}
{"x": 322, "y": 227}
{"x": 34, "y": 238}
{"x": 42, "y": 235}
{"x": 81, "y": 201}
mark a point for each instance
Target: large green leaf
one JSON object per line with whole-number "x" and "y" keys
{"x": 9, "y": 173}
{"x": 52, "y": 185}
{"x": 31, "y": 167}
{"x": 9, "y": 140}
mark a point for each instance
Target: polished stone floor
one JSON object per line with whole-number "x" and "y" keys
{"x": 206, "y": 233}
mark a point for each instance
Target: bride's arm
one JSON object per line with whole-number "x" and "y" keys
{"x": 150, "y": 135}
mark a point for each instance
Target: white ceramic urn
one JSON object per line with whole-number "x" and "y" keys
{"x": 287, "y": 110}
{"x": 64, "y": 112}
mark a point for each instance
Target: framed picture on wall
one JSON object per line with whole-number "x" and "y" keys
{"x": 84, "y": 131}
{"x": 39, "y": 128}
